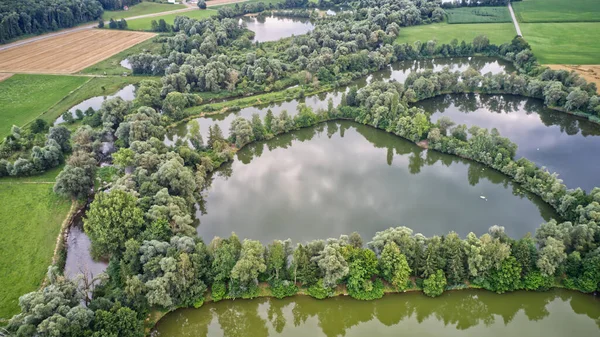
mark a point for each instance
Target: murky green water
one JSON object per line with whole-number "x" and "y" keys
{"x": 340, "y": 177}
{"x": 461, "y": 313}
{"x": 398, "y": 71}
{"x": 562, "y": 143}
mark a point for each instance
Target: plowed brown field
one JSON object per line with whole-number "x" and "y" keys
{"x": 68, "y": 53}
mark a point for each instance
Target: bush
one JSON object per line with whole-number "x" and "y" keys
{"x": 218, "y": 291}
{"x": 435, "y": 284}
{"x": 536, "y": 281}
{"x": 319, "y": 292}
{"x": 371, "y": 291}
{"x": 281, "y": 289}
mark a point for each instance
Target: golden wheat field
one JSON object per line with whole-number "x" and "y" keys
{"x": 68, "y": 53}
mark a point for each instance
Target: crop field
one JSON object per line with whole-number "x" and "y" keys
{"x": 142, "y": 8}
{"x": 557, "y": 10}
{"x": 498, "y": 33}
{"x": 145, "y": 23}
{"x": 30, "y": 220}
{"x": 68, "y": 53}
{"x": 24, "y": 97}
{"x": 478, "y": 15}
{"x": 564, "y": 43}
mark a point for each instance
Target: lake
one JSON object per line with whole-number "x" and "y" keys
{"x": 274, "y": 28}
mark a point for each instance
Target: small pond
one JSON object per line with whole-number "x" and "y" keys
{"x": 79, "y": 258}
{"x": 127, "y": 93}
{"x": 273, "y": 28}
{"x": 562, "y": 143}
{"x": 125, "y": 64}
{"x": 555, "y": 313}
{"x": 340, "y": 177}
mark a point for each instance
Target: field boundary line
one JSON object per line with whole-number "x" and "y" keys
{"x": 514, "y": 18}
{"x": 62, "y": 99}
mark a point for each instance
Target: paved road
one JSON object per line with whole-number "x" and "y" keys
{"x": 514, "y": 18}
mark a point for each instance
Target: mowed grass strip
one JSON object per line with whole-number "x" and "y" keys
{"x": 478, "y": 15}
{"x": 30, "y": 219}
{"x": 498, "y": 33}
{"x": 142, "y": 8}
{"x": 145, "y": 24}
{"x": 557, "y": 10}
{"x": 24, "y": 97}
{"x": 564, "y": 43}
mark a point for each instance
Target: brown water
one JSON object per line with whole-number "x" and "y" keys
{"x": 562, "y": 143}
{"x": 556, "y": 313}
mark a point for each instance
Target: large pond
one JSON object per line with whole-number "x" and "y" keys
{"x": 562, "y": 143}
{"x": 398, "y": 71}
{"x": 274, "y": 28}
{"x": 555, "y": 313}
{"x": 340, "y": 177}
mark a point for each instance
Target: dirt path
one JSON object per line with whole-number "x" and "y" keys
{"x": 514, "y": 18}
{"x": 591, "y": 72}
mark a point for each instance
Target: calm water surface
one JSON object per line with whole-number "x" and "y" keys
{"x": 398, "y": 71}
{"x": 274, "y": 28}
{"x": 461, "y": 313}
{"x": 562, "y": 143}
{"x": 340, "y": 177}
{"x": 79, "y": 259}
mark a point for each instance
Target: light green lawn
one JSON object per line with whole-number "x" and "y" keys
{"x": 112, "y": 65}
{"x": 498, "y": 33}
{"x": 557, "y": 10}
{"x": 24, "y": 97}
{"x": 478, "y": 15}
{"x": 145, "y": 23}
{"x": 30, "y": 220}
{"x": 141, "y": 9}
{"x": 564, "y": 43}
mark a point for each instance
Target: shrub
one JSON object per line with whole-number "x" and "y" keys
{"x": 281, "y": 289}
{"x": 319, "y": 292}
{"x": 434, "y": 285}
{"x": 218, "y": 291}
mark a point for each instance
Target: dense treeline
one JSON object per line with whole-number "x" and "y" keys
{"x": 25, "y": 17}
{"x": 117, "y": 4}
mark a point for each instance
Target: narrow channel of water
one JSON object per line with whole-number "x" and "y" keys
{"x": 398, "y": 71}
{"x": 340, "y": 177}
{"x": 79, "y": 259}
{"x": 555, "y": 313}
{"x": 274, "y": 28}
{"x": 562, "y": 143}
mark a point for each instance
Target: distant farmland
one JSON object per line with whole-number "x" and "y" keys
{"x": 68, "y": 53}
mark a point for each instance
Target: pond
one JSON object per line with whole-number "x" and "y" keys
{"x": 79, "y": 259}
{"x": 340, "y": 177}
{"x": 562, "y": 143}
{"x": 274, "y": 28}
{"x": 127, "y": 93}
{"x": 458, "y": 313}
{"x": 398, "y": 71}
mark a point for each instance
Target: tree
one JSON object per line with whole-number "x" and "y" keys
{"x": 148, "y": 94}
{"x": 551, "y": 256}
{"x": 214, "y": 135}
{"x": 73, "y": 182}
{"x": 277, "y": 257}
{"x": 62, "y": 136}
{"x": 506, "y": 278}
{"x": 113, "y": 218}
{"x": 258, "y": 129}
{"x": 304, "y": 270}
{"x": 225, "y": 254}
{"x": 201, "y": 4}
{"x": 118, "y": 321}
{"x": 455, "y": 259}
{"x": 241, "y": 132}
{"x": 194, "y": 135}
{"x": 394, "y": 267}
{"x": 332, "y": 263}
{"x": 250, "y": 264}
{"x": 435, "y": 284}
{"x": 123, "y": 158}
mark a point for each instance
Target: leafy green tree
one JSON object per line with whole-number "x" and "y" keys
{"x": 194, "y": 135}
{"x": 113, "y": 218}
{"x": 123, "y": 158}
{"x": 258, "y": 129}
{"x": 73, "y": 182}
{"x": 214, "y": 135}
{"x": 304, "y": 270}
{"x": 525, "y": 253}
{"x": 506, "y": 278}
{"x": 62, "y": 136}
{"x": 118, "y": 321}
{"x": 434, "y": 258}
{"x": 551, "y": 256}
{"x": 435, "y": 284}
{"x": 148, "y": 94}
{"x": 241, "y": 132}
{"x": 394, "y": 267}
{"x": 332, "y": 264}
{"x": 362, "y": 266}
{"x": 250, "y": 264}
{"x": 455, "y": 259}
{"x": 277, "y": 256}
{"x": 225, "y": 254}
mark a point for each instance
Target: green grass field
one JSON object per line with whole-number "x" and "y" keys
{"x": 30, "y": 220}
{"x": 145, "y": 23}
{"x": 112, "y": 65}
{"x": 141, "y": 9}
{"x": 564, "y": 43}
{"x": 557, "y": 10}
{"x": 479, "y": 15}
{"x": 24, "y": 97}
{"x": 498, "y": 33}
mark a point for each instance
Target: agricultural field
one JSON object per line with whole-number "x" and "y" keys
{"x": 68, "y": 53}
{"x": 144, "y": 24}
{"x": 564, "y": 43}
{"x": 142, "y": 8}
{"x": 444, "y": 33}
{"x": 557, "y": 10}
{"x": 30, "y": 219}
{"x": 24, "y": 97}
{"x": 478, "y": 15}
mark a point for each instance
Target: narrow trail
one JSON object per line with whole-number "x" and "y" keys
{"x": 514, "y": 19}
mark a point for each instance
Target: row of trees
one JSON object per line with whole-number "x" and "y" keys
{"x": 25, "y": 17}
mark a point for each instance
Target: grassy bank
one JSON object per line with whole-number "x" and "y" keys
{"x": 30, "y": 218}
{"x": 145, "y": 23}
{"x": 24, "y": 97}
{"x": 564, "y": 43}
{"x": 557, "y": 10}
{"x": 478, "y": 15}
{"x": 498, "y": 33}
{"x": 112, "y": 65}
{"x": 142, "y": 8}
